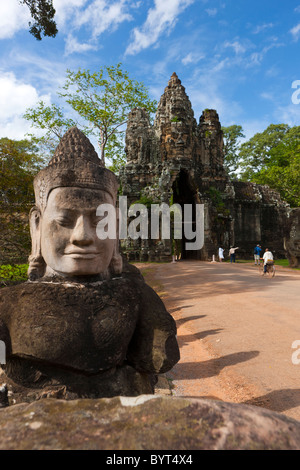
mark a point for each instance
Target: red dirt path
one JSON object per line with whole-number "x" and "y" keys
{"x": 235, "y": 332}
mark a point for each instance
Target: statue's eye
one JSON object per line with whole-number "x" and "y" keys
{"x": 65, "y": 221}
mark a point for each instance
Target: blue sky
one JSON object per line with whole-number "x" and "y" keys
{"x": 238, "y": 57}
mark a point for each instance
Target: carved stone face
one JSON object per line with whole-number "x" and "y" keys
{"x": 69, "y": 242}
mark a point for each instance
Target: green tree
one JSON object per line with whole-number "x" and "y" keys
{"x": 103, "y": 101}
{"x": 42, "y": 12}
{"x": 256, "y": 152}
{"x": 273, "y": 158}
{"x": 232, "y": 135}
{"x": 52, "y": 120}
{"x": 19, "y": 162}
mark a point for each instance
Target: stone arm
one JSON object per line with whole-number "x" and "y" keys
{"x": 154, "y": 346}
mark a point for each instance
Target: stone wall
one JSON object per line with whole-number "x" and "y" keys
{"x": 292, "y": 238}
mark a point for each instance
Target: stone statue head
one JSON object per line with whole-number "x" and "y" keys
{"x": 63, "y": 221}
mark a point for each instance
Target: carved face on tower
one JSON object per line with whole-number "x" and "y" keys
{"x": 63, "y": 224}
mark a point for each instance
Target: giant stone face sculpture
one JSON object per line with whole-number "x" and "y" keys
{"x": 83, "y": 325}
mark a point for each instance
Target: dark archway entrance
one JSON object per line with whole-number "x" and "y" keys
{"x": 184, "y": 194}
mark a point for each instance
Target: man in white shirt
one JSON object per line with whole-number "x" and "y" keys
{"x": 232, "y": 254}
{"x": 268, "y": 256}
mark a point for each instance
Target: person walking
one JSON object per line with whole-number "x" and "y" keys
{"x": 268, "y": 259}
{"x": 232, "y": 254}
{"x": 221, "y": 254}
{"x": 257, "y": 254}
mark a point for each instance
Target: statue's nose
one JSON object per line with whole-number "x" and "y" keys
{"x": 83, "y": 232}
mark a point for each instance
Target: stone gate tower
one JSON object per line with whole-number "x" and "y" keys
{"x": 177, "y": 160}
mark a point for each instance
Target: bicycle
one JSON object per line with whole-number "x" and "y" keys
{"x": 270, "y": 269}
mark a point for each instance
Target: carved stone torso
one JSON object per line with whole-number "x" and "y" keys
{"x": 103, "y": 338}
{"x": 82, "y": 327}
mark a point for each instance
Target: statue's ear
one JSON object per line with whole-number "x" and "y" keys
{"x": 36, "y": 262}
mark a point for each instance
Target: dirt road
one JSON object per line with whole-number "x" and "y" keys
{"x": 235, "y": 331}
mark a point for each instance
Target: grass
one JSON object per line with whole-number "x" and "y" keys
{"x": 279, "y": 262}
{"x": 282, "y": 262}
{"x": 12, "y": 274}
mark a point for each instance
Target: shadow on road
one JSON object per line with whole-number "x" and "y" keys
{"x": 181, "y": 321}
{"x": 198, "y": 278}
{"x": 278, "y": 400}
{"x": 176, "y": 308}
{"x": 211, "y": 368}
{"x": 187, "y": 339}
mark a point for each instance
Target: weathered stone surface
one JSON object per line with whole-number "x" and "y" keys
{"x": 178, "y": 161}
{"x": 145, "y": 423}
{"x": 292, "y": 238}
{"x": 96, "y": 339}
{"x": 82, "y": 326}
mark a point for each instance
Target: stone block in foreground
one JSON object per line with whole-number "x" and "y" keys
{"x": 146, "y": 422}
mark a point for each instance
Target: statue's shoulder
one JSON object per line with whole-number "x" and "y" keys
{"x": 9, "y": 307}
{"x": 130, "y": 271}
{"x": 11, "y": 293}
{"x": 152, "y": 308}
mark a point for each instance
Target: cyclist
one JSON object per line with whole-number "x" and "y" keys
{"x": 268, "y": 259}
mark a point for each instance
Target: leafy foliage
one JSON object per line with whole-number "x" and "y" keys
{"x": 257, "y": 152}
{"x": 52, "y": 120}
{"x": 19, "y": 162}
{"x": 103, "y": 101}
{"x": 42, "y": 12}
{"x": 232, "y": 135}
{"x": 273, "y": 158}
{"x": 12, "y": 274}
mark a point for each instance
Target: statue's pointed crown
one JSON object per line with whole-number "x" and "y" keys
{"x": 74, "y": 145}
{"x": 75, "y": 163}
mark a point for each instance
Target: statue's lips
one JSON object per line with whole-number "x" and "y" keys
{"x": 82, "y": 254}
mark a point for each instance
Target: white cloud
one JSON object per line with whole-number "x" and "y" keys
{"x": 256, "y": 58}
{"x": 72, "y": 45}
{"x": 46, "y": 72}
{"x": 254, "y": 126}
{"x": 289, "y": 114}
{"x": 161, "y": 18}
{"x": 262, "y": 27}
{"x": 297, "y": 9}
{"x": 15, "y": 97}
{"x": 268, "y": 96}
{"x": 102, "y": 15}
{"x": 96, "y": 16}
{"x": 295, "y": 31}
{"x": 272, "y": 71}
{"x": 192, "y": 58}
{"x": 206, "y": 90}
{"x": 211, "y": 11}
{"x": 236, "y": 46}
{"x": 13, "y": 17}
{"x": 65, "y": 10}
